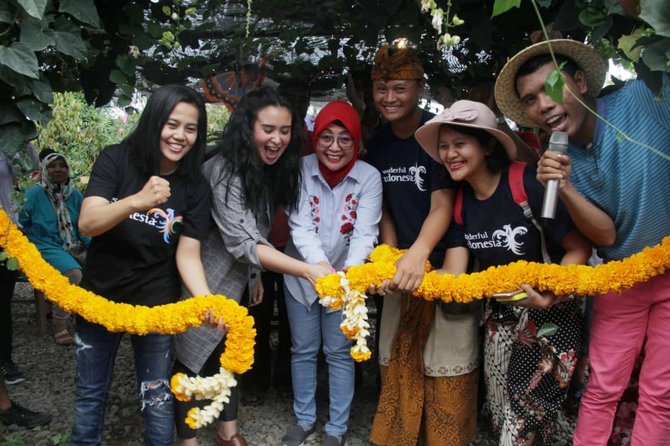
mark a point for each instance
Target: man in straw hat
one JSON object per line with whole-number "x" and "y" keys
{"x": 616, "y": 189}
{"x": 418, "y": 382}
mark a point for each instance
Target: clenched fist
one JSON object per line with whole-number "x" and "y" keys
{"x": 156, "y": 191}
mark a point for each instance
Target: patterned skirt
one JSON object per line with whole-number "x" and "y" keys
{"x": 528, "y": 364}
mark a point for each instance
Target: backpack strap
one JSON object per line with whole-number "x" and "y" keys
{"x": 515, "y": 179}
{"x": 458, "y": 207}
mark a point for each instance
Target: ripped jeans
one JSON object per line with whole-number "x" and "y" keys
{"x": 95, "y": 354}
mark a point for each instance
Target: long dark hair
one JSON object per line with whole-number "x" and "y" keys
{"x": 497, "y": 158}
{"x": 277, "y": 184}
{"x": 145, "y": 139}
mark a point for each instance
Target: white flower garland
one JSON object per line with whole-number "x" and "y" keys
{"x": 215, "y": 388}
{"x": 354, "y": 324}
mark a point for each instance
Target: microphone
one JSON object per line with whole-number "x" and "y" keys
{"x": 558, "y": 142}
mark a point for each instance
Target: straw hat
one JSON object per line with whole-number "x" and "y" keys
{"x": 463, "y": 114}
{"x": 584, "y": 56}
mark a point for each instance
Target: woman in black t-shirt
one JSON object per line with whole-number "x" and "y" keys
{"x": 532, "y": 343}
{"x": 147, "y": 208}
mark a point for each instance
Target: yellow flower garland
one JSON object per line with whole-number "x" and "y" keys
{"x": 561, "y": 280}
{"x": 336, "y": 290}
{"x": 134, "y": 319}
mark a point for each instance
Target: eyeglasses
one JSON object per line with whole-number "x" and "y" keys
{"x": 344, "y": 141}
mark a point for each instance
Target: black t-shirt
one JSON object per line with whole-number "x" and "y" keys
{"x": 496, "y": 231}
{"x": 409, "y": 177}
{"x": 134, "y": 262}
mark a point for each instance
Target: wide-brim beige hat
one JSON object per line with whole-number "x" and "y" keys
{"x": 463, "y": 114}
{"x": 588, "y": 60}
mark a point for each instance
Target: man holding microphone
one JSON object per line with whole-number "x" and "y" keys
{"x": 616, "y": 190}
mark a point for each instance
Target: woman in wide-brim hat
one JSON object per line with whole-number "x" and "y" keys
{"x": 526, "y": 375}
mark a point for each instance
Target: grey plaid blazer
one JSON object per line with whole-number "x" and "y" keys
{"x": 228, "y": 255}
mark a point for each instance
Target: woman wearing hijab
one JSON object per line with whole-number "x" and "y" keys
{"x": 49, "y": 218}
{"x": 336, "y": 225}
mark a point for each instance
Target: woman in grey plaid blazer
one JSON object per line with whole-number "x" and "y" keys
{"x": 254, "y": 171}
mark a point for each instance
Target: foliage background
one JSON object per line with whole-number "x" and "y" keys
{"x": 108, "y": 49}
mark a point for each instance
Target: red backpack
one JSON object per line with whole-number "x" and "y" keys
{"x": 515, "y": 180}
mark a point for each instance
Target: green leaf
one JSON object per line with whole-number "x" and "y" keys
{"x": 592, "y": 17}
{"x": 42, "y": 89}
{"x": 117, "y": 77}
{"x": 627, "y": 45}
{"x": 71, "y": 44}
{"x": 20, "y": 58}
{"x": 12, "y": 264}
{"x": 126, "y": 64}
{"x": 501, "y": 6}
{"x": 657, "y": 14}
{"x": 82, "y": 10}
{"x": 657, "y": 55}
{"x": 547, "y": 330}
{"x": 544, "y": 3}
{"x": 553, "y": 86}
{"x": 33, "y": 109}
{"x": 9, "y": 114}
{"x": 3, "y": 256}
{"x": 34, "y": 8}
{"x": 11, "y": 139}
{"x": 5, "y": 13}
{"x": 35, "y": 35}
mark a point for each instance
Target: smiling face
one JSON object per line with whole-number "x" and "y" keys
{"x": 396, "y": 100}
{"x": 58, "y": 171}
{"x": 272, "y": 133}
{"x": 178, "y": 136}
{"x": 463, "y": 155}
{"x": 334, "y": 147}
{"x": 570, "y": 116}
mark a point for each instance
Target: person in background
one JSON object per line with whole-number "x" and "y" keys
{"x": 526, "y": 375}
{"x": 254, "y": 171}
{"x": 147, "y": 208}
{"x": 616, "y": 191}
{"x": 49, "y": 218}
{"x": 10, "y": 411}
{"x": 421, "y": 376}
{"x": 335, "y": 224}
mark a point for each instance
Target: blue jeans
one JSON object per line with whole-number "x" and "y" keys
{"x": 308, "y": 328}
{"x": 95, "y": 353}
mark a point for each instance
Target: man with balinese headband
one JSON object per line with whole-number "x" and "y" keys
{"x": 616, "y": 190}
{"x": 418, "y": 200}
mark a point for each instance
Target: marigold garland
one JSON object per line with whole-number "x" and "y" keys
{"x": 581, "y": 280}
{"x": 336, "y": 290}
{"x": 140, "y": 320}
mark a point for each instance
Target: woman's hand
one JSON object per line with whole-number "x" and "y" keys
{"x": 382, "y": 289}
{"x": 411, "y": 268}
{"x": 535, "y": 300}
{"x": 257, "y": 296}
{"x": 213, "y": 322}
{"x": 156, "y": 191}
{"x": 321, "y": 269}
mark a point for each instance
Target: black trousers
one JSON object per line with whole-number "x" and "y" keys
{"x": 7, "y": 284}
{"x": 261, "y": 375}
